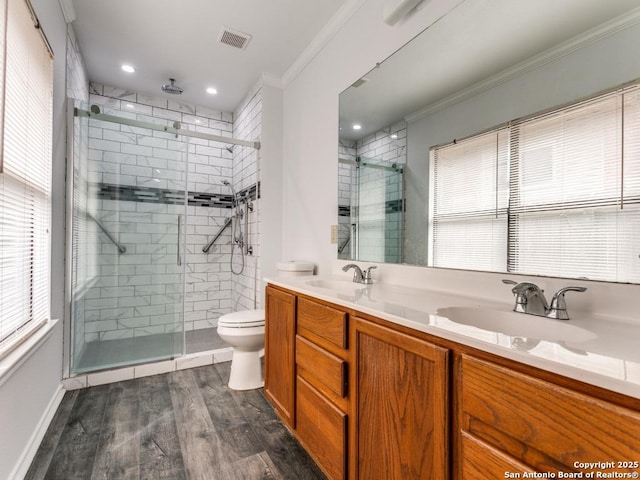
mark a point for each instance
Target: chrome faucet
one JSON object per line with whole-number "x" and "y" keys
{"x": 530, "y": 299}
{"x": 360, "y": 276}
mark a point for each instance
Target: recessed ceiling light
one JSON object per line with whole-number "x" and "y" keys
{"x": 357, "y": 126}
{"x": 212, "y": 91}
{"x": 128, "y": 68}
{"x": 394, "y": 135}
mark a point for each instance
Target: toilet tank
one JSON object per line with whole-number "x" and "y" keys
{"x": 294, "y": 268}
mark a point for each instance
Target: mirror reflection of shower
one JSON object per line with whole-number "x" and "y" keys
{"x": 239, "y": 235}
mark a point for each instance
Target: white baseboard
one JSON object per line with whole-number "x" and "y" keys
{"x": 24, "y": 462}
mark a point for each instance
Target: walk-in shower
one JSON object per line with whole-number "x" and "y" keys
{"x": 371, "y": 224}
{"x": 147, "y": 192}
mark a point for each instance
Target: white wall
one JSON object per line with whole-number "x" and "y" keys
{"x": 270, "y": 166}
{"x": 29, "y": 398}
{"x": 32, "y": 390}
{"x": 310, "y": 168}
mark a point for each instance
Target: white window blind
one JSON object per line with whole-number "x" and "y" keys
{"x": 469, "y": 203}
{"x": 25, "y": 175}
{"x": 566, "y": 188}
{"x": 573, "y": 194}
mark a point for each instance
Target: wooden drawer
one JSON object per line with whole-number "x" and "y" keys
{"x": 320, "y": 368}
{"x": 481, "y": 461}
{"x": 543, "y": 425}
{"x": 322, "y": 428}
{"x": 323, "y": 325}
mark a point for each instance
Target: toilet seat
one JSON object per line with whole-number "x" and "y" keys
{"x": 242, "y": 319}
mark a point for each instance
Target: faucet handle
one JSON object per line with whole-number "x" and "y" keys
{"x": 367, "y": 275}
{"x": 558, "y": 307}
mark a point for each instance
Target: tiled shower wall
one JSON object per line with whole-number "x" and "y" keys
{"x": 248, "y": 289}
{"x": 137, "y": 292}
{"x": 376, "y": 193}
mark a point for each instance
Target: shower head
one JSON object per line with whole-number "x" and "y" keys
{"x": 171, "y": 88}
{"x": 225, "y": 182}
{"x": 229, "y": 149}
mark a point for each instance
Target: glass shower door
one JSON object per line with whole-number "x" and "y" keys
{"x": 129, "y": 210}
{"x": 379, "y": 211}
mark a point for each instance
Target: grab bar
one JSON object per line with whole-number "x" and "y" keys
{"x": 344, "y": 244}
{"x": 121, "y": 248}
{"x": 248, "y": 249}
{"x": 206, "y": 248}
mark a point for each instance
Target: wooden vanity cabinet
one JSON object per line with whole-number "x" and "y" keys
{"x": 279, "y": 348}
{"x": 513, "y": 422}
{"x": 371, "y": 400}
{"x": 400, "y": 405}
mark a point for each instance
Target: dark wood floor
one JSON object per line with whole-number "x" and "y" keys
{"x": 180, "y": 425}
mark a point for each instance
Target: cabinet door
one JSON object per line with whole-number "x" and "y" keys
{"x": 400, "y": 404}
{"x": 279, "y": 378}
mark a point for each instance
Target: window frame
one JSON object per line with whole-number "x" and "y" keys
{"x": 20, "y": 179}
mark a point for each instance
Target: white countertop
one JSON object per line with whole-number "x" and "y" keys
{"x": 605, "y": 354}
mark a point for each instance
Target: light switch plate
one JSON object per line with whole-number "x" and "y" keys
{"x": 334, "y": 234}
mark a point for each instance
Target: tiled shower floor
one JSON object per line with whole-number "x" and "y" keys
{"x": 126, "y": 351}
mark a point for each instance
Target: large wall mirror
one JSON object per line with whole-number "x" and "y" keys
{"x": 505, "y": 138}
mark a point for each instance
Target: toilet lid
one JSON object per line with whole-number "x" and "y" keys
{"x": 242, "y": 319}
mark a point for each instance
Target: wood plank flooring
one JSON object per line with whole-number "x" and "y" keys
{"x": 180, "y": 425}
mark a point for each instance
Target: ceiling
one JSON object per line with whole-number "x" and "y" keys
{"x": 178, "y": 39}
{"x": 476, "y": 40}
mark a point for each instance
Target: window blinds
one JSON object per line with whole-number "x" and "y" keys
{"x": 25, "y": 173}
{"x": 469, "y": 203}
{"x": 573, "y": 193}
{"x": 565, "y": 192}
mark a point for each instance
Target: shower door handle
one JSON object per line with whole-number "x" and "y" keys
{"x": 179, "y": 255}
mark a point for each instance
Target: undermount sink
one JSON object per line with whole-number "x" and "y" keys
{"x": 517, "y": 324}
{"x": 337, "y": 285}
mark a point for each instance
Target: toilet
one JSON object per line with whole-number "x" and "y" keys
{"x": 244, "y": 331}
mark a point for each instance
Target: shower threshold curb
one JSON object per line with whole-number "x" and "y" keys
{"x": 198, "y": 359}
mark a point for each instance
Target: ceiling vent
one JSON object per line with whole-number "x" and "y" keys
{"x": 234, "y": 38}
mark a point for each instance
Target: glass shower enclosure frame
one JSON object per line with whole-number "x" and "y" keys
{"x": 126, "y": 274}
{"x": 376, "y": 216}
{"x": 126, "y": 249}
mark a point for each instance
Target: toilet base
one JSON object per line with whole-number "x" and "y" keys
{"x": 246, "y": 371}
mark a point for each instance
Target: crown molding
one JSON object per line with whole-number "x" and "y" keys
{"x": 576, "y": 43}
{"x": 332, "y": 27}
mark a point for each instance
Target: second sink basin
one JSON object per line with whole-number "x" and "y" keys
{"x": 517, "y": 324}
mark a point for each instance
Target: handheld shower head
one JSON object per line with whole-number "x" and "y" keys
{"x": 236, "y": 203}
